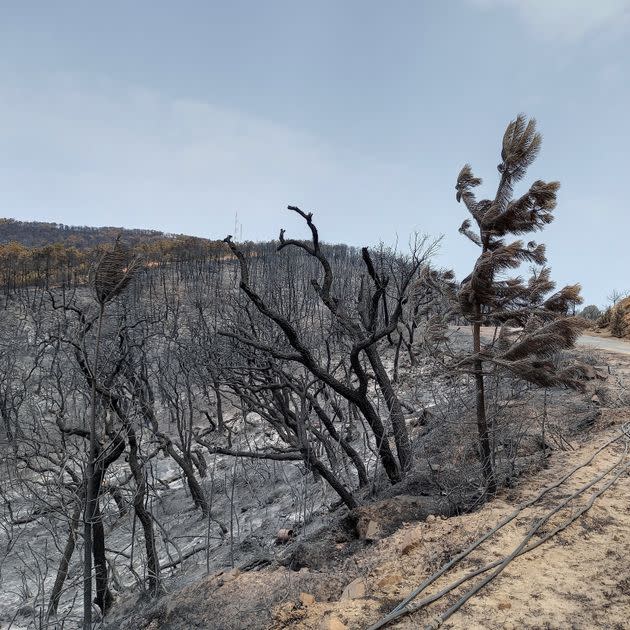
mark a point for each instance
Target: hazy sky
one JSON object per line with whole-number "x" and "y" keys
{"x": 177, "y": 115}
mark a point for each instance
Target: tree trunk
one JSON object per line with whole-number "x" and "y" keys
{"x": 92, "y": 490}
{"x": 482, "y": 423}
{"x": 104, "y": 598}
{"x": 401, "y": 435}
{"x": 105, "y": 458}
{"x": 62, "y": 571}
{"x": 382, "y": 444}
{"x": 316, "y": 465}
{"x": 217, "y": 393}
{"x": 196, "y": 491}
{"x": 153, "y": 565}
{"x": 345, "y": 445}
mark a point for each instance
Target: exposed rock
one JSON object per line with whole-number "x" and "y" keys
{"x": 284, "y": 536}
{"x": 388, "y": 581}
{"x": 306, "y": 599}
{"x": 411, "y": 539}
{"x": 390, "y": 514}
{"x": 355, "y": 590}
{"x": 333, "y": 623}
{"x": 368, "y": 529}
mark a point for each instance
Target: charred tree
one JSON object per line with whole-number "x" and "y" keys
{"x": 364, "y": 330}
{"x": 533, "y": 324}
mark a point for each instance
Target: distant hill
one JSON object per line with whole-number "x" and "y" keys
{"x": 37, "y": 253}
{"x": 40, "y": 234}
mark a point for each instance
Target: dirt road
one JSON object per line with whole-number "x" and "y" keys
{"x": 610, "y": 344}
{"x": 599, "y": 342}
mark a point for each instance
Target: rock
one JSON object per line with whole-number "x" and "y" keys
{"x": 355, "y": 590}
{"x": 284, "y": 536}
{"x": 389, "y": 580}
{"x": 369, "y": 531}
{"x": 411, "y": 540}
{"x": 391, "y": 513}
{"x": 333, "y": 623}
{"x": 306, "y": 599}
{"x": 595, "y": 399}
{"x": 430, "y": 518}
{"x": 230, "y": 575}
{"x": 505, "y": 605}
{"x": 602, "y": 371}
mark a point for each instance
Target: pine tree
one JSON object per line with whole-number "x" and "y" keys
{"x": 489, "y": 297}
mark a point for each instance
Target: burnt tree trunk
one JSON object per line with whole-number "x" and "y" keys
{"x": 482, "y": 422}
{"x": 399, "y": 429}
{"x": 185, "y": 463}
{"x": 104, "y": 598}
{"x": 143, "y": 515}
{"x": 62, "y": 571}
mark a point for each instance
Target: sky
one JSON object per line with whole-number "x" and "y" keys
{"x": 191, "y": 116}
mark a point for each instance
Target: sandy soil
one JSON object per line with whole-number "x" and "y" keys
{"x": 579, "y": 579}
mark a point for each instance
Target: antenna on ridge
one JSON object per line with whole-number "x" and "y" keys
{"x": 238, "y": 227}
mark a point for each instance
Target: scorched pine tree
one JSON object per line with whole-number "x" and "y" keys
{"x": 488, "y": 297}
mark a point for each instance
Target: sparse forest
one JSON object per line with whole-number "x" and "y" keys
{"x": 176, "y": 410}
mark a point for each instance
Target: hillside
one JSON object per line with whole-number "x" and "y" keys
{"x": 570, "y": 517}
{"x": 40, "y": 240}
{"x": 40, "y": 234}
{"x": 35, "y": 253}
